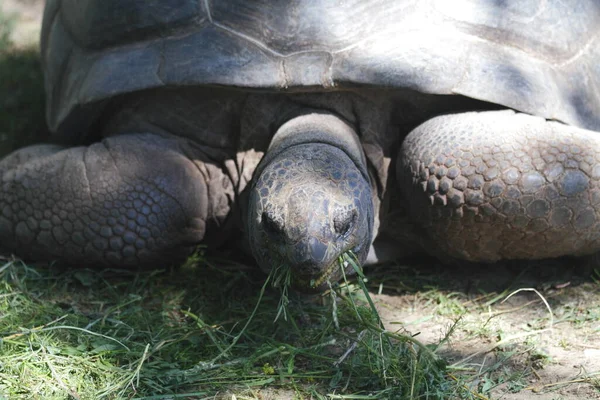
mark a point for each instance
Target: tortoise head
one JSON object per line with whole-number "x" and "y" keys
{"x": 311, "y": 201}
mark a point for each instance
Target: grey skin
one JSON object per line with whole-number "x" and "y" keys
{"x": 464, "y": 129}
{"x": 312, "y": 199}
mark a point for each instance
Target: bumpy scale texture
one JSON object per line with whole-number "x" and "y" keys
{"x": 102, "y": 205}
{"x": 497, "y": 185}
{"x": 309, "y": 206}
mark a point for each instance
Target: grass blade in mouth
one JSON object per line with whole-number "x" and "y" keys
{"x": 350, "y": 258}
{"x": 282, "y": 279}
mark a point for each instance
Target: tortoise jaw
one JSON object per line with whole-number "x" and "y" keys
{"x": 322, "y": 281}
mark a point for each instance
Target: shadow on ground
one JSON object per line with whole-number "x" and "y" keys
{"x": 422, "y": 273}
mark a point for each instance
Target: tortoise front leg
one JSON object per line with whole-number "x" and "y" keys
{"x": 130, "y": 200}
{"x": 502, "y": 185}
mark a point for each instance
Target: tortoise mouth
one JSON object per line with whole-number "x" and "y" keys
{"x": 324, "y": 279}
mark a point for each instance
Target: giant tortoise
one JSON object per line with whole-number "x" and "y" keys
{"x": 307, "y": 129}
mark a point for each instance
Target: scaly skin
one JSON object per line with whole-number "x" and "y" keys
{"x": 115, "y": 203}
{"x": 311, "y": 201}
{"x": 499, "y": 185}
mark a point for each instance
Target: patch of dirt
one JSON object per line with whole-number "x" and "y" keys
{"x": 516, "y": 345}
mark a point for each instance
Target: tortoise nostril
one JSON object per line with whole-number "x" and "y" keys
{"x": 271, "y": 223}
{"x": 344, "y": 222}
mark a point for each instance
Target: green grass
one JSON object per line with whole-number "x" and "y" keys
{"x": 198, "y": 331}
{"x": 216, "y": 328}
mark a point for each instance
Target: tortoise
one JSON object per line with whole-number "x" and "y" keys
{"x": 303, "y": 130}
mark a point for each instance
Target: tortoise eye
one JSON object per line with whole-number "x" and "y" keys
{"x": 344, "y": 222}
{"x": 272, "y": 224}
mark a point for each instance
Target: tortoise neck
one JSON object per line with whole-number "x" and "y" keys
{"x": 319, "y": 128}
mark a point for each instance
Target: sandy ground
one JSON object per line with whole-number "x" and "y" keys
{"x": 547, "y": 365}
{"x": 540, "y": 353}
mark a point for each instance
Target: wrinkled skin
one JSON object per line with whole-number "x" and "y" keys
{"x": 311, "y": 201}
{"x": 310, "y": 205}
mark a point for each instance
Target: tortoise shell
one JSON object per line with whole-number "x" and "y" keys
{"x": 538, "y": 57}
